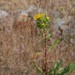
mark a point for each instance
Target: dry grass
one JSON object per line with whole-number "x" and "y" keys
{"x": 18, "y": 40}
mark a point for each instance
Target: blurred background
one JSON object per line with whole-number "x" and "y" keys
{"x": 19, "y": 40}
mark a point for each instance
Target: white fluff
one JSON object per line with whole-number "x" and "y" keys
{"x": 3, "y": 14}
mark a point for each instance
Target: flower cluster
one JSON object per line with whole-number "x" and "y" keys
{"x": 41, "y": 20}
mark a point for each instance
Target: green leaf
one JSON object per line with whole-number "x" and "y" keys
{"x": 54, "y": 44}
{"x": 57, "y": 66}
{"x": 39, "y": 70}
{"x": 48, "y": 37}
{"x": 60, "y": 70}
{"x": 71, "y": 67}
{"x": 68, "y": 69}
{"x": 65, "y": 70}
{"x": 51, "y": 72}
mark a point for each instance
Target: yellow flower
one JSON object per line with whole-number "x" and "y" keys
{"x": 42, "y": 14}
{"x": 47, "y": 17}
{"x": 37, "y": 16}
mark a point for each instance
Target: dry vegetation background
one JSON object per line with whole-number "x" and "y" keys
{"x": 18, "y": 34}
